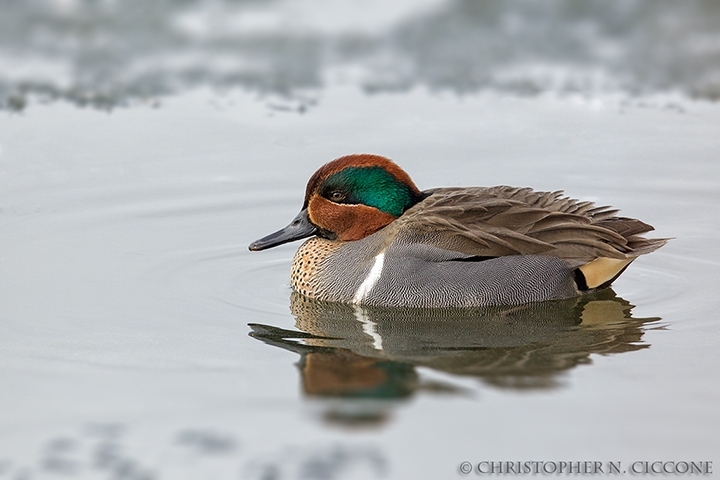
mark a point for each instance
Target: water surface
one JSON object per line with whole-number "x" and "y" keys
{"x": 140, "y": 338}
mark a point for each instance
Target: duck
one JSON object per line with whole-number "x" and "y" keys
{"x": 375, "y": 239}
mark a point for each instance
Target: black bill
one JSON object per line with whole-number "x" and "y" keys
{"x": 299, "y": 228}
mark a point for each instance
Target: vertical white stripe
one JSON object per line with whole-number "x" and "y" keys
{"x": 369, "y": 327}
{"x": 372, "y": 278}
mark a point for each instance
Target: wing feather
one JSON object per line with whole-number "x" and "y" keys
{"x": 503, "y": 220}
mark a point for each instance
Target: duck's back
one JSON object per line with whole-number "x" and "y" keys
{"x": 502, "y": 220}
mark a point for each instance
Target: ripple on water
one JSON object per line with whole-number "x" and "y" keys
{"x": 221, "y": 275}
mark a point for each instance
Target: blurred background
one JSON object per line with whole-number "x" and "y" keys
{"x": 118, "y": 52}
{"x": 144, "y": 144}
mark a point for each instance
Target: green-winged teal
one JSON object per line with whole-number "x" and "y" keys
{"x": 378, "y": 240}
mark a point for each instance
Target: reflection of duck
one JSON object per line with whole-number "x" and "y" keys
{"x": 370, "y": 352}
{"x": 379, "y": 240}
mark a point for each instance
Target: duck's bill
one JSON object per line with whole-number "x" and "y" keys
{"x": 299, "y": 228}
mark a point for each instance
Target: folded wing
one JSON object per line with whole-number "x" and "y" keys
{"x": 498, "y": 221}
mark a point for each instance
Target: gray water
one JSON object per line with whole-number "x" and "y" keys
{"x": 140, "y": 338}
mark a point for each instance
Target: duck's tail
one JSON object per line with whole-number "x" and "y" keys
{"x": 632, "y": 230}
{"x": 601, "y": 272}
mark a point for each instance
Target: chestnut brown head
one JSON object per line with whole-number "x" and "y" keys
{"x": 348, "y": 199}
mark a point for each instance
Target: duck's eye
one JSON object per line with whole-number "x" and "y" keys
{"x": 337, "y": 196}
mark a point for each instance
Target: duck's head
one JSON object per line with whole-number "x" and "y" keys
{"x": 348, "y": 199}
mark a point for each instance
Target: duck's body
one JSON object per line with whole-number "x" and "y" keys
{"x": 449, "y": 247}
